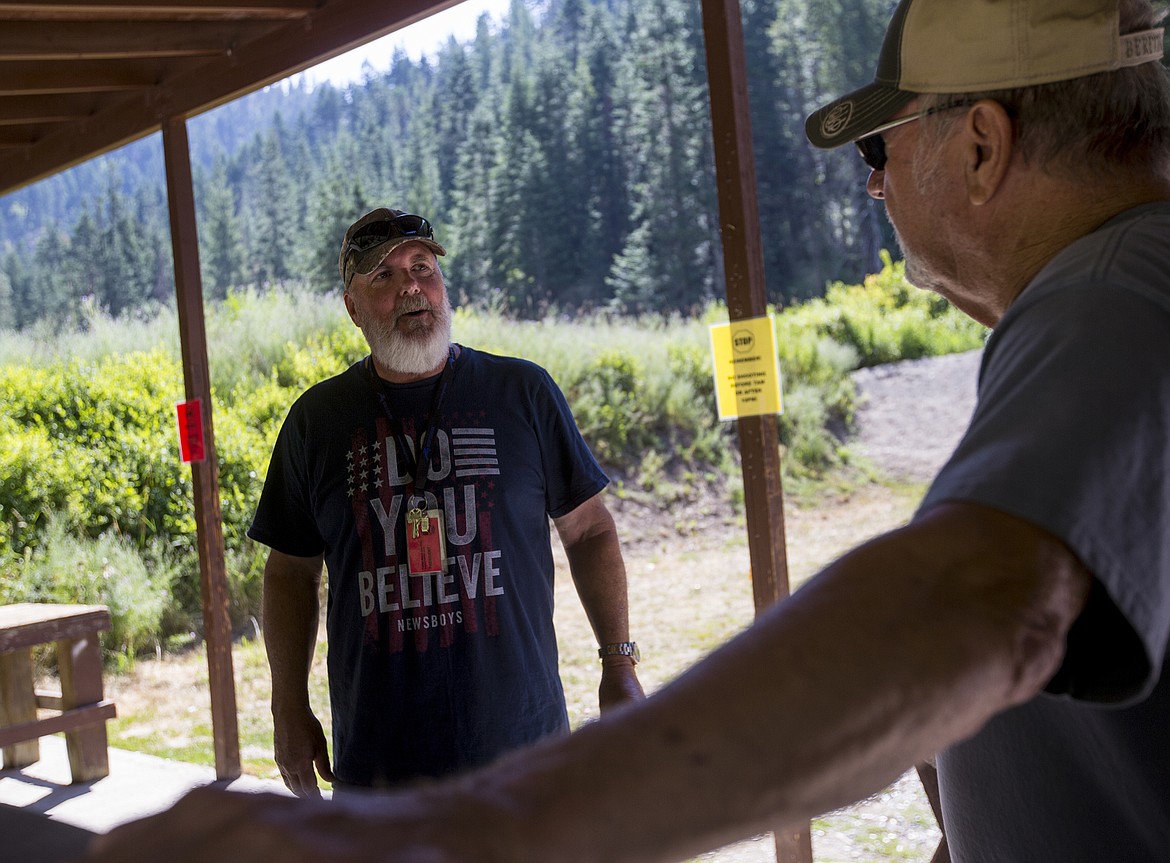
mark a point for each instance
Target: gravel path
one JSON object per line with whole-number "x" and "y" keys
{"x": 914, "y": 412}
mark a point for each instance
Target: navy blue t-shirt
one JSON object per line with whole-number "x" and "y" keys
{"x": 434, "y": 673}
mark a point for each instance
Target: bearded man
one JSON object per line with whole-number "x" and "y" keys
{"x": 424, "y": 477}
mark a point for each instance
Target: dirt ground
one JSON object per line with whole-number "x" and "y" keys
{"x": 914, "y": 412}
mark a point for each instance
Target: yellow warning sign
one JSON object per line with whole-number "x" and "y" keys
{"x": 747, "y": 372}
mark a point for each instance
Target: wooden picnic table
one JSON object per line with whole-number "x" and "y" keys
{"x": 79, "y": 710}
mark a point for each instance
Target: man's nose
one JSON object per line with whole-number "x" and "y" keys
{"x": 411, "y": 286}
{"x": 873, "y": 186}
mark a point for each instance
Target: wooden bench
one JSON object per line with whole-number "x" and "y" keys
{"x": 79, "y": 709}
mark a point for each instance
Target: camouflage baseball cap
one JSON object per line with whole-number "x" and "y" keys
{"x": 376, "y": 234}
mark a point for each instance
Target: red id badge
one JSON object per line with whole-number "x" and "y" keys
{"x": 426, "y": 541}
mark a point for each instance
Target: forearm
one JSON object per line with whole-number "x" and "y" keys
{"x": 291, "y": 609}
{"x": 877, "y": 664}
{"x": 599, "y": 574}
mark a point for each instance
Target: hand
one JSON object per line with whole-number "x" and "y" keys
{"x": 299, "y": 747}
{"x": 619, "y": 683}
{"x": 215, "y": 825}
{"x": 211, "y": 825}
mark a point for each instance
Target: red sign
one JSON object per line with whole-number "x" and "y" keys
{"x": 191, "y": 445}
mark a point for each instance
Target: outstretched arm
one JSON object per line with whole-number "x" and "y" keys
{"x": 903, "y": 646}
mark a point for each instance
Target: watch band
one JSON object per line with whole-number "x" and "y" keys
{"x": 621, "y": 648}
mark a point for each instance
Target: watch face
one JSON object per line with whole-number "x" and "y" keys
{"x": 624, "y": 648}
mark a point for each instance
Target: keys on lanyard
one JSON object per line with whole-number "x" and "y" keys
{"x": 426, "y": 540}
{"x": 417, "y": 521}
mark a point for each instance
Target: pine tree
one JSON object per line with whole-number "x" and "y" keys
{"x": 840, "y": 59}
{"x": 24, "y": 309}
{"x": 566, "y": 161}
{"x": 221, "y": 250}
{"x": 665, "y": 264}
{"x": 272, "y": 240}
{"x": 7, "y": 312}
{"x": 335, "y": 202}
{"x": 453, "y": 100}
{"x": 124, "y": 277}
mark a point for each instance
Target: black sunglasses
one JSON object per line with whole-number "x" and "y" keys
{"x": 406, "y": 225}
{"x": 873, "y": 146}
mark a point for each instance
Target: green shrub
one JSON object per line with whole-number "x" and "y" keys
{"x": 610, "y": 410}
{"x": 111, "y": 428}
{"x": 695, "y": 432}
{"x": 886, "y": 319}
{"x": 34, "y": 482}
{"x": 108, "y": 570}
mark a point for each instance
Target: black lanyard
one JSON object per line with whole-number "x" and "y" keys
{"x": 424, "y": 457}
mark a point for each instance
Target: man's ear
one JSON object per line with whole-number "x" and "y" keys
{"x": 351, "y": 308}
{"x": 989, "y": 149}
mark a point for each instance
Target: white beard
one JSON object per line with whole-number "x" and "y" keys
{"x": 419, "y": 350}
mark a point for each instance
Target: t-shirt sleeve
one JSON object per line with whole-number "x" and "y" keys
{"x": 572, "y": 473}
{"x": 1071, "y": 432}
{"x": 283, "y": 519}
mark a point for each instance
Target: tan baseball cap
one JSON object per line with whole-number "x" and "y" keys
{"x": 376, "y": 234}
{"x": 970, "y": 46}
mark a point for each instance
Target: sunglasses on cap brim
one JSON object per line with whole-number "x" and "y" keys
{"x": 406, "y": 226}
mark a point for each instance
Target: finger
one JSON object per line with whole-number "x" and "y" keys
{"x": 306, "y": 784}
{"x": 301, "y": 781}
{"x": 323, "y": 767}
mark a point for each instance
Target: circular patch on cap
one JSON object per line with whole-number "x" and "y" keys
{"x": 837, "y": 119}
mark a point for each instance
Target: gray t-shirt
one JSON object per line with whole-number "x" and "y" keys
{"x": 1071, "y": 431}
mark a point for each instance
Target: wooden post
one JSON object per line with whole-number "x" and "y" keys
{"x": 79, "y": 663}
{"x": 759, "y": 437}
{"x": 217, "y": 628}
{"x": 18, "y": 705}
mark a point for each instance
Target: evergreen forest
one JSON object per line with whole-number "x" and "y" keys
{"x": 564, "y": 155}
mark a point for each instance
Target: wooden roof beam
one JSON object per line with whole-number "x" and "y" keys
{"x": 45, "y": 109}
{"x": 14, "y": 139}
{"x": 28, "y": 78}
{"x": 39, "y": 41}
{"x": 175, "y": 10}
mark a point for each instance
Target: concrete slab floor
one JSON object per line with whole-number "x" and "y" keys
{"x": 138, "y": 785}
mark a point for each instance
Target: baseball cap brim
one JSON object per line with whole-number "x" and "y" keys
{"x": 368, "y": 261}
{"x": 855, "y": 115}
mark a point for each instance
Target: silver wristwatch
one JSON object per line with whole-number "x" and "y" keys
{"x": 621, "y": 648}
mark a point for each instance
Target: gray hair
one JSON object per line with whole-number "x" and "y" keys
{"x": 1110, "y": 122}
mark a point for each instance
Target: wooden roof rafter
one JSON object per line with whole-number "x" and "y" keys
{"x": 144, "y": 62}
